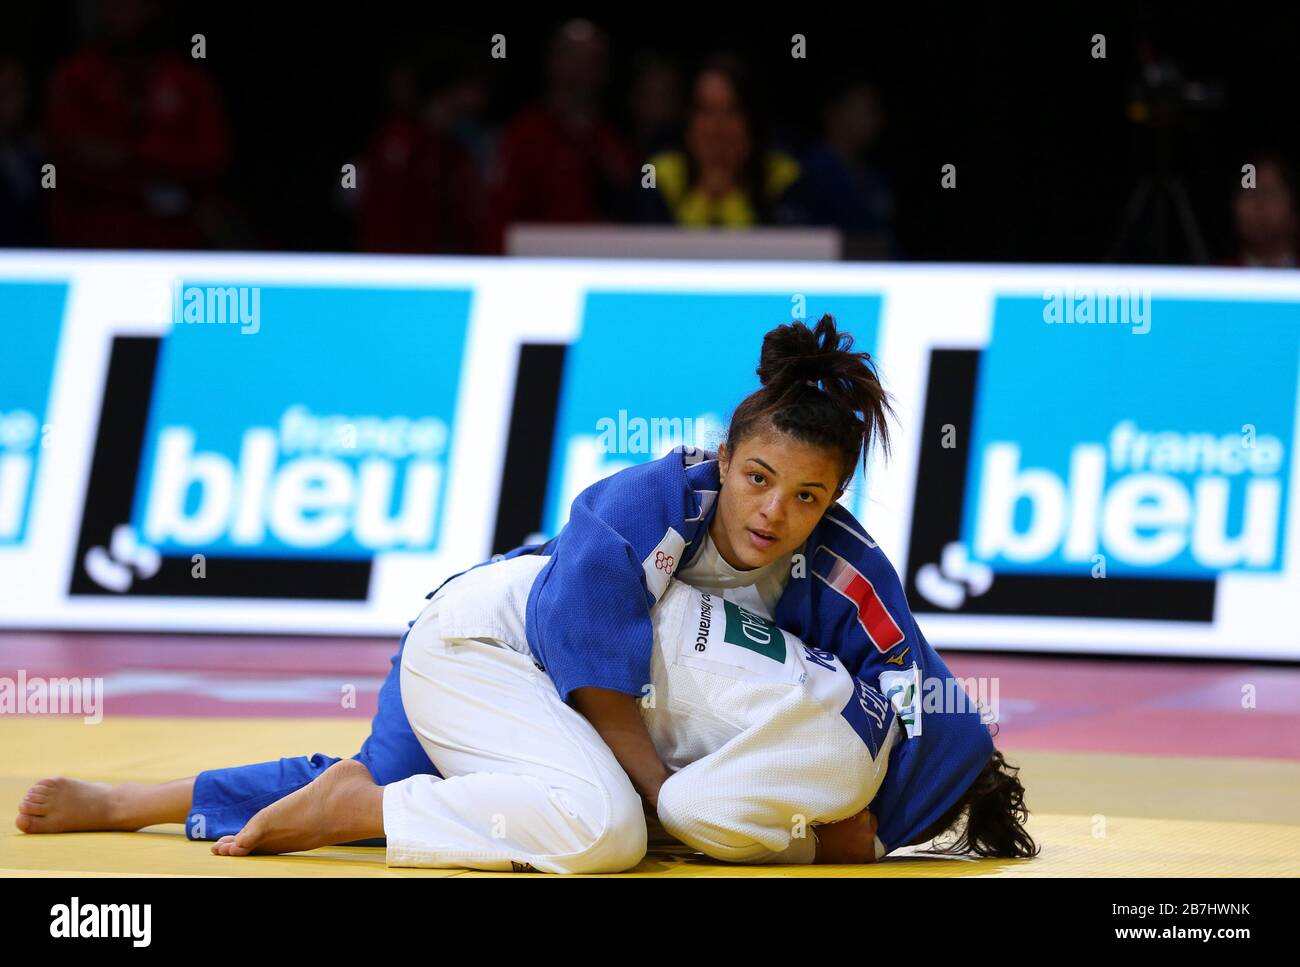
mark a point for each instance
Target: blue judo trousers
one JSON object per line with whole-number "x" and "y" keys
{"x": 224, "y": 800}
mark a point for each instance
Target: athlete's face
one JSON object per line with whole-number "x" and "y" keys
{"x": 774, "y": 491}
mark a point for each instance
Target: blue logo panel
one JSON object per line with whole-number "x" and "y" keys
{"x": 302, "y": 421}
{"x": 651, "y": 370}
{"x": 31, "y": 320}
{"x": 1107, "y": 449}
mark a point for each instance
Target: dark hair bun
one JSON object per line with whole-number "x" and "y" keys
{"x": 817, "y": 389}
{"x": 794, "y": 353}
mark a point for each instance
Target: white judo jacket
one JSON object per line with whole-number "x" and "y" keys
{"x": 764, "y": 735}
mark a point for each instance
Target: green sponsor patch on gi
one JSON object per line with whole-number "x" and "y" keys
{"x": 753, "y": 631}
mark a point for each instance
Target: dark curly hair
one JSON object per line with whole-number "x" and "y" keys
{"x": 994, "y": 811}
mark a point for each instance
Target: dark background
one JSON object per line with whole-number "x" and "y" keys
{"x": 1037, "y": 128}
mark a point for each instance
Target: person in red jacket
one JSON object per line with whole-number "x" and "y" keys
{"x": 559, "y": 161}
{"x": 420, "y": 190}
{"x": 138, "y": 136}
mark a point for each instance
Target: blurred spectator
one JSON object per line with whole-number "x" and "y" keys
{"x": 138, "y": 135}
{"x": 655, "y": 105}
{"x": 419, "y": 186}
{"x": 559, "y": 161}
{"x": 1265, "y": 216}
{"x": 21, "y": 215}
{"x": 462, "y": 103}
{"x": 724, "y": 177}
{"x": 841, "y": 184}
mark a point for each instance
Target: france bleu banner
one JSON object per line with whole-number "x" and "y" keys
{"x": 1085, "y": 458}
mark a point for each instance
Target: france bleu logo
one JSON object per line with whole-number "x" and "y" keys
{"x": 323, "y": 431}
{"x": 1164, "y": 453}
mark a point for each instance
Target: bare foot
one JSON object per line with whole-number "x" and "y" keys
{"x": 340, "y": 805}
{"x": 68, "y": 806}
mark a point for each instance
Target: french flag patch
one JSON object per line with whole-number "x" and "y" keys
{"x": 873, "y": 616}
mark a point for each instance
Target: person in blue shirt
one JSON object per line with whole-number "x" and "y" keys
{"x": 760, "y": 515}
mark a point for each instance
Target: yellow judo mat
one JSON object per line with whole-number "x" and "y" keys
{"x": 1095, "y": 815}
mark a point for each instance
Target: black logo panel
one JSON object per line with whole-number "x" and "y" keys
{"x": 941, "y": 579}
{"x": 112, "y": 559}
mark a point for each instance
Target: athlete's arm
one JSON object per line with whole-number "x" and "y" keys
{"x": 617, "y": 717}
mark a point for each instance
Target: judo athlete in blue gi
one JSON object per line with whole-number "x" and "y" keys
{"x": 513, "y": 731}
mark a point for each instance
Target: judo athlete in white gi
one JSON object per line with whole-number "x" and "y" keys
{"x": 764, "y": 738}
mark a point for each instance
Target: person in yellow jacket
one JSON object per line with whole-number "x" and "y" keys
{"x": 721, "y": 178}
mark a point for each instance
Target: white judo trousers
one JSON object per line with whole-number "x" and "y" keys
{"x": 752, "y": 732}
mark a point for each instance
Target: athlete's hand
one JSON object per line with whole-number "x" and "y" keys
{"x": 617, "y": 717}
{"x": 851, "y": 840}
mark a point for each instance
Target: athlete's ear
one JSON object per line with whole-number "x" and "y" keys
{"x": 723, "y": 458}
